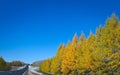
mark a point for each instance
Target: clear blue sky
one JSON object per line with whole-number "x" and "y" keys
{"x": 32, "y": 30}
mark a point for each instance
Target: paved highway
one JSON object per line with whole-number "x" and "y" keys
{"x": 28, "y": 73}
{"x": 31, "y": 71}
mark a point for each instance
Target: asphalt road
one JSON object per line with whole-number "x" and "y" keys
{"x": 28, "y": 72}
{"x": 16, "y": 71}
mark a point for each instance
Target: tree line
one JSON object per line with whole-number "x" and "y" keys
{"x": 5, "y": 66}
{"x": 98, "y": 54}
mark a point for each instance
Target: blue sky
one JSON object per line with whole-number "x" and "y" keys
{"x": 32, "y": 30}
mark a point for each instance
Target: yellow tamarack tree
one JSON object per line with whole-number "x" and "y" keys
{"x": 45, "y": 66}
{"x": 56, "y": 61}
{"x": 99, "y": 54}
{"x": 69, "y": 57}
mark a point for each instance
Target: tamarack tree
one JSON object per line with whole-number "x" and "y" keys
{"x": 98, "y": 54}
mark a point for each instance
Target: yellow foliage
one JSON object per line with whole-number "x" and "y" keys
{"x": 98, "y": 54}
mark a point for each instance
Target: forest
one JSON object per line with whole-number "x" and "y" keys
{"x": 98, "y": 54}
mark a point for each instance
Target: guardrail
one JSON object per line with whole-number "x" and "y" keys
{"x": 16, "y": 72}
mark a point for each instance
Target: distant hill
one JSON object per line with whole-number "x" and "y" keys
{"x": 37, "y": 63}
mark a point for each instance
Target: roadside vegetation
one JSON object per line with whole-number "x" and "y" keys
{"x": 5, "y": 66}
{"x": 98, "y": 54}
{"x": 16, "y": 63}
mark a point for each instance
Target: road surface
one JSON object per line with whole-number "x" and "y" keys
{"x": 28, "y": 73}
{"x": 31, "y": 71}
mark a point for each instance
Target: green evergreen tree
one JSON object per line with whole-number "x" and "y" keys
{"x": 3, "y": 65}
